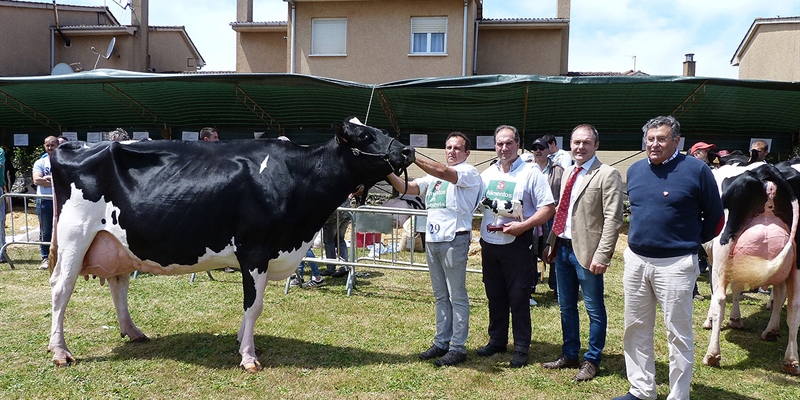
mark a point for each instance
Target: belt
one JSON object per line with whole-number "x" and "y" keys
{"x": 565, "y": 242}
{"x": 462, "y": 233}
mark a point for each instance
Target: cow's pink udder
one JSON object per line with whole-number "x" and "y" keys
{"x": 764, "y": 236}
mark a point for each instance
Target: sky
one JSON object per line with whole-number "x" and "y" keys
{"x": 605, "y": 35}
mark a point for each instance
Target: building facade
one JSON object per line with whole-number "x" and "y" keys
{"x": 406, "y": 38}
{"x": 770, "y": 50}
{"x": 38, "y": 36}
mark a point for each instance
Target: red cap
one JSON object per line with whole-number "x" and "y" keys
{"x": 723, "y": 153}
{"x": 701, "y": 146}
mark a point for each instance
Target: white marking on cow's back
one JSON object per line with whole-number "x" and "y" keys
{"x": 91, "y": 216}
{"x": 264, "y": 164}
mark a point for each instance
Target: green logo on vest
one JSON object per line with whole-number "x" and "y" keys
{"x": 500, "y": 190}
{"x": 437, "y": 195}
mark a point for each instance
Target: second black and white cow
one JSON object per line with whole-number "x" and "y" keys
{"x": 757, "y": 247}
{"x": 171, "y": 207}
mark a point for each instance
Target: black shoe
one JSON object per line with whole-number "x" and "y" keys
{"x": 328, "y": 271}
{"x": 432, "y": 352}
{"x": 342, "y": 271}
{"x": 451, "y": 358}
{"x": 490, "y": 350}
{"x": 519, "y": 360}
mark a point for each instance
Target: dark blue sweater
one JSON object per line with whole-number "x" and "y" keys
{"x": 674, "y": 207}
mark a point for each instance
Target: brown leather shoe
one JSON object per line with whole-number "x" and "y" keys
{"x": 588, "y": 372}
{"x": 562, "y": 362}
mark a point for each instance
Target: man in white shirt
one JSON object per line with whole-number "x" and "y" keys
{"x": 451, "y": 195}
{"x": 44, "y": 207}
{"x": 506, "y": 243}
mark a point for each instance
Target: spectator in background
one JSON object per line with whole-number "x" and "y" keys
{"x": 762, "y": 149}
{"x": 558, "y": 156}
{"x": 553, "y": 173}
{"x": 44, "y": 207}
{"x": 209, "y": 134}
{"x": 333, "y": 240}
{"x": 316, "y": 279}
{"x": 62, "y": 139}
{"x": 118, "y": 135}
{"x": 4, "y": 203}
{"x": 702, "y": 152}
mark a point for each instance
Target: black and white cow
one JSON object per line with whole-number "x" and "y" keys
{"x": 757, "y": 247}
{"x": 172, "y": 207}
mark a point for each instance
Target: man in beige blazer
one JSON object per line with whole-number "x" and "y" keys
{"x": 582, "y": 242}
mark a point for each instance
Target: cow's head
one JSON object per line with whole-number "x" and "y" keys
{"x": 366, "y": 141}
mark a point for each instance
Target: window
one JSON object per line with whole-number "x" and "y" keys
{"x": 329, "y": 36}
{"x": 428, "y": 35}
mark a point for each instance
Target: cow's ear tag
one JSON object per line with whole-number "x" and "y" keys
{"x": 666, "y": 194}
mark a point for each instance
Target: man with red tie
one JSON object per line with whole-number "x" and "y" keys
{"x": 583, "y": 239}
{"x": 506, "y": 243}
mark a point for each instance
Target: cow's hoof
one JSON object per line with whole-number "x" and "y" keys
{"x": 736, "y": 323}
{"x": 711, "y": 360}
{"x": 708, "y": 323}
{"x": 70, "y": 360}
{"x": 770, "y": 336}
{"x": 140, "y": 339}
{"x": 252, "y": 367}
{"x": 791, "y": 368}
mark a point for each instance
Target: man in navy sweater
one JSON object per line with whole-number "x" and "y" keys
{"x": 675, "y": 206}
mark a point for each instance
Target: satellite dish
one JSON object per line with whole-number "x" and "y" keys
{"x": 62, "y": 69}
{"x": 109, "y": 51}
{"x": 110, "y": 47}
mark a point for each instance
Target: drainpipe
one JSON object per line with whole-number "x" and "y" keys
{"x": 52, "y": 48}
{"x": 292, "y": 43}
{"x": 464, "y": 41}
{"x": 475, "y": 51}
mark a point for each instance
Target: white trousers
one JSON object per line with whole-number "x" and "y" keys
{"x": 668, "y": 282}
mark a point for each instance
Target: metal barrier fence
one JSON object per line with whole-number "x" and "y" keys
{"x": 371, "y": 220}
{"x": 17, "y": 236}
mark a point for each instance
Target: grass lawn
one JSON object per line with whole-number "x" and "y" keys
{"x": 320, "y": 343}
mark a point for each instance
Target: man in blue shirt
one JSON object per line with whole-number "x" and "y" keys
{"x": 675, "y": 206}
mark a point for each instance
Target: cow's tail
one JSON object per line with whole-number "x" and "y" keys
{"x": 52, "y": 256}
{"x": 757, "y": 272}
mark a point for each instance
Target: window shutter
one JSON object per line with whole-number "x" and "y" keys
{"x": 428, "y": 25}
{"x": 329, "y": 36}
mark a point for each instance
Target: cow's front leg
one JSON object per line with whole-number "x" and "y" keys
{"x": 254, "y": 284}
{"x": 119, "y": 293}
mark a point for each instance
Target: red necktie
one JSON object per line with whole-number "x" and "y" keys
{"x": 563, "y": 206}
